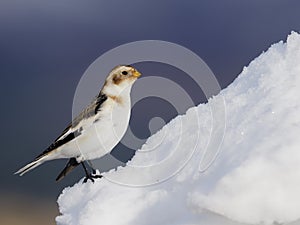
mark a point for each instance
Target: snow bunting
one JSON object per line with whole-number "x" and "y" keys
{"x": 97, "y": 129}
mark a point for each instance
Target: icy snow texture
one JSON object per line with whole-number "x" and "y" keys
{"x": 254, "y": 180}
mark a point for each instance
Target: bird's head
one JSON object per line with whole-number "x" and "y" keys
{"x": 120, "y": 78}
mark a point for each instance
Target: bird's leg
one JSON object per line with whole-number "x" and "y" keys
{"x": 94, "y": 171}
{"x": 89, "y": 176}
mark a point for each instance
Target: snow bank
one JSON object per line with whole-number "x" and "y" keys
{"x": 254, "y": 180}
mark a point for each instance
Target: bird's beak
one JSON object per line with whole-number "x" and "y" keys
{"x": 136, "y": 74}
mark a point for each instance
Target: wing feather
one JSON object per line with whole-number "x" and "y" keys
{"x": 73, "y": 130}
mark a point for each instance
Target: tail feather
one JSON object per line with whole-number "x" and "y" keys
{"x": 38, "y": 161}
{"x": 69, "y": 167}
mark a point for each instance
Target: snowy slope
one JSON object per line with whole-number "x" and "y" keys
{"x": 254, "y": 180}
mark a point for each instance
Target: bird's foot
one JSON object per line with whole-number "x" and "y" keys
{"x": 91, "y": 177}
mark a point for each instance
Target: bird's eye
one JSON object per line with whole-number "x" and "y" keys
{"x": 124, "y": 72}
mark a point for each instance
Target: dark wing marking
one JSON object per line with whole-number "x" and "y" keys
{"x": 91, "y": 110}
{"x": 99, "y": 101}
{"x": 61, "y": 142}
{"x": 69, "y": 167}
{"x": 64, "y": 132}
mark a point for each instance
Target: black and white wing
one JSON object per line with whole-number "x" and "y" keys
{"x": 74, "y": 129}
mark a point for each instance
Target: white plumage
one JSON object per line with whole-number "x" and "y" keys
{"x": 98, "y": 128}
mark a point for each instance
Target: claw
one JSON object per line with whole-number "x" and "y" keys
{"x": 91, "y": 177}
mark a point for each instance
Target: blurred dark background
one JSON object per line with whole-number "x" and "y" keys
{"x": 45, "y": 47}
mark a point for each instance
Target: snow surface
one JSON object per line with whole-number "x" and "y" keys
{"x": 254, "y": 180}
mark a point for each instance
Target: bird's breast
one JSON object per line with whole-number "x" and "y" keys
{"x": 107, "y": 130}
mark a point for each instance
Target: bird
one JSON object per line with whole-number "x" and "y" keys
{"x": 97, "y": 129}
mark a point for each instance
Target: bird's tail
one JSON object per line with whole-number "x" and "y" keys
{"x": 69, "y": 167}
{"x": 38, "y": 161}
